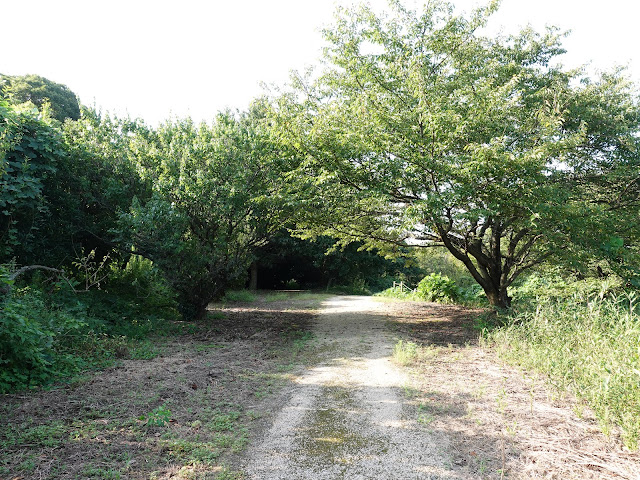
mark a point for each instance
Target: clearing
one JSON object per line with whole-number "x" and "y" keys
{"x": 289, "y": 387}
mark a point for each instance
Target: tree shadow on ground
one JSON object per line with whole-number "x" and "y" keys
{"x": 434, "y": 323}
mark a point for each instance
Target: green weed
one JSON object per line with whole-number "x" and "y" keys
{"x": 276, "y": 296}
{"x": 227, "y": 474}
{"x": 588, "y": 344}
{"x": 223, "y": 422}
{"x": 143, "y": 350}
{"x": 425, "y": 415}
{"x": 48, "y": 435}
{"x": 158, "y": 417}
{"x": 405, "y": 352}
{"x": 239, "y": 296}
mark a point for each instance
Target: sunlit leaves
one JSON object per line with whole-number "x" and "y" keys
{"x": 420, "y": 127}
{"x": 217, "y": 196}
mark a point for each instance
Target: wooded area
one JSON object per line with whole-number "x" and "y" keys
{"x": 418, "y": 133}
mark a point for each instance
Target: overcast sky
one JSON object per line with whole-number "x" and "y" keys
{"x": 156, "y": 58}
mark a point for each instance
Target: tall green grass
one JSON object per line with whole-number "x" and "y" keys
{"x": 588, "y": 344}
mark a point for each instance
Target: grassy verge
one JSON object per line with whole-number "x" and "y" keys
{"x": 589, "y": 345}
{"x": 180, "y": 407}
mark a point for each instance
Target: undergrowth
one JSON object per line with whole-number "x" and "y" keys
{"x": 587, "y": 341}
{"x": 49, "y": 331}
{"x": 436, "y": 287}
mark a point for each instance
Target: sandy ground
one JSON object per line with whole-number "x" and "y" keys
{"x": 457, "y": 413}
{"x": 346, "y": 417}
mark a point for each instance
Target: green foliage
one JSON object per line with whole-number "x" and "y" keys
{"x": 359, "y": 286}
{"x": 239, "y": 296}
{"x": 142, "y": 284}
{"x": 551, "y": 284}
{"x": 48, "y": 331}
{"x": 42, "y": 93}
{"x": 94, "y": 184}
{"x": 216, "y": 198}
{"x": 30, "y": 149}
{"x": 400, "y": 291}
{"x": 34, "y": 339}
{"x": 158, "y": 417}
{"x": 293, "y": 263}
{"x": 62, "y": 187}
{"x": 422, "y": 129}
{"x": 438, "y": 288}
{"x": 587, "y": 343}
{"x": 440, "y": 261}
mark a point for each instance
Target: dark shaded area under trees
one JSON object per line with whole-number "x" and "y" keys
{"x": 287, "y": 262}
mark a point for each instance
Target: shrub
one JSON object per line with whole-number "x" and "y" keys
{"x": 49, "y": 331}
{"x": 32, "y": 340}
{"x": 543, "y": 287}
{"x": 438, "y": 288}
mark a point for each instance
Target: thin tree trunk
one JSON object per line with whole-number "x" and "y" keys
{"x": 253, "y": 278}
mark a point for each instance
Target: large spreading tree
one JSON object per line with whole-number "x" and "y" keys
{"x": 422, "y": 131}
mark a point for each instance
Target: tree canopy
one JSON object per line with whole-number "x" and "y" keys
{"x": 420, "y": 130}
{"x": 40, "y": 92}
{"x": 216, "y": 198}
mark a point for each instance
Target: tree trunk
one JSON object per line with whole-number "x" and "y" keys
{"x": 498, "y": 297}
{"x": 253, "y": 278}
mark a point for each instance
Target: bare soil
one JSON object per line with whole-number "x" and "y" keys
{"x": 251, "y": 394}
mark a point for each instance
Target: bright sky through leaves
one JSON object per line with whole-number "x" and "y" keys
{"x": 153, "y": 59}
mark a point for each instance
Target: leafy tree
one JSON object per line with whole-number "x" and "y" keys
{"x": 421, "y": 131}
{"x": 95, "y": 184}
{"x": 40, "y": 91}
{"x": 216, "y": 199}
{"x": 63, "y": 187}
{"x": 30, "y": 149}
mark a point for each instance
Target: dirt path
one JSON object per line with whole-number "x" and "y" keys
{"x": 457, "y": 413}
{"x": 346, "y": 417}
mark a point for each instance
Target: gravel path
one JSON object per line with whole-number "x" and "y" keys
{"x": 346, "y": 417}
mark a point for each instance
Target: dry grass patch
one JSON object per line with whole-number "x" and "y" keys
{"x": 501, "y": 422}
{"x": 186, "y": 413}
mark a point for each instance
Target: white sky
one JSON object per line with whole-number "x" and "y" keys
{"x": 156, "y": 58}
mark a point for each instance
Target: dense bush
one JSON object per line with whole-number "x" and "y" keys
{"x": 34, "y": 339}
{"x": 216, "y": 198}
{"x": 438, "y": 288}
{"x": 30, "y": 149}
{"x": 49, "y": 331}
